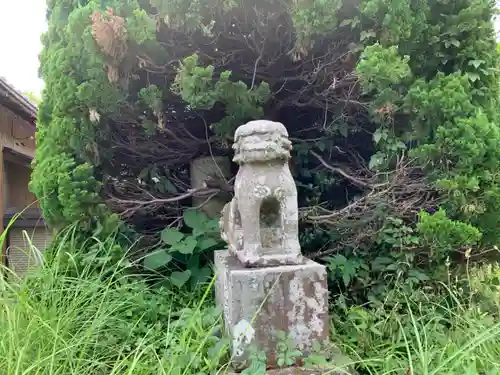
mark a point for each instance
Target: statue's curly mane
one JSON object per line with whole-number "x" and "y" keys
{"x": 259, "y": 147}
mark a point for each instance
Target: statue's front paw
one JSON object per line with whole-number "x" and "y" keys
{"x": 252, "y": 250}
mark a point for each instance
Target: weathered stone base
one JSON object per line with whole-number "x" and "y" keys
{"x": 290, "y": 259}
{"x": 261, "y": 302}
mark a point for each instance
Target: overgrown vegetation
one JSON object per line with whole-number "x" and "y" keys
{"x": 392, "y": 109}
{"x": 58, "y": 322}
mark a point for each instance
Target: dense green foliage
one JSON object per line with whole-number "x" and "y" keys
{"x": 135, "y": 90}
{"x": 392, "y": 109}
{"x": 56, "y": 323}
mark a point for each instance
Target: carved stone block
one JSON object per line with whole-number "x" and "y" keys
{"x": 258, "y": 303}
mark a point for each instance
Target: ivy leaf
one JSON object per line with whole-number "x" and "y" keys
{"x": 186, "y": 246}
{"x": 195, "y": 219}
{"x": 473, "y": 77}
{"x": 180, "y": 278}
{"x": 376, "y": 160}
{"x": 476, "y": 63}
{"x": 157, "y": 259}
{"x": 348, "y": 272}
{"x": 171, "y": 236}
{"x": 377, "y": 136}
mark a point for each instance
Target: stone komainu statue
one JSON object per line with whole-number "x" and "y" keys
{"x": 260, "y": 224}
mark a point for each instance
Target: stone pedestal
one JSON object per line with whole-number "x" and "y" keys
{"x": 260, "y": 302}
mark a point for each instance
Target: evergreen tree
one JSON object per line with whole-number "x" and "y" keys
{"x": 391, "y": 105}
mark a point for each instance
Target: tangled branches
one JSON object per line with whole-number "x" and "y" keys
{"x": 257, "y": 45}
{"x": 138, "y": 201}
{"x": 139, "y": 198}
{"x": 402, "y": 192}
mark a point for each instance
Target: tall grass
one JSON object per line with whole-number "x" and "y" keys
{"x": 426, "y": 334}
{"x": 55, "y": 322}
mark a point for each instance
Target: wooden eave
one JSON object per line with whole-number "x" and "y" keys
{"x": 16, "y": 102}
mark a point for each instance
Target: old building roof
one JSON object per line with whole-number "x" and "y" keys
{"x": 17, "y": 102}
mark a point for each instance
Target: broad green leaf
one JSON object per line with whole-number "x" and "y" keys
{"x": 200, "y": 275}
{"x": 171, "y": 236}
{"x": 418, "y": 275}
{"x": 198, "y": 233}
{"x": 207, "y": 243}
{"x": 193, "y": 264}
{"x": 186, "y": 246}
{"x": 180, "y": 278}
{"x": 195, "y": 219}
{"x": 157, "y": 259}
{"x": 213, "y": 224}
{"x": 392, "y": 267}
